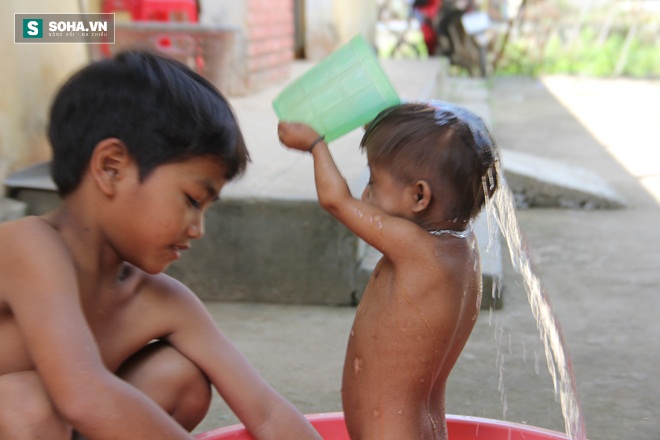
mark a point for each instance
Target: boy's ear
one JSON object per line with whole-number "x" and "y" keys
{"x": 109, "y": 164}
{"x": 422, "y": 196}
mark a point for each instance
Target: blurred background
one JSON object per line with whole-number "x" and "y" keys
{"x": 246, "y": 45}
{"x": 569, "y": 81}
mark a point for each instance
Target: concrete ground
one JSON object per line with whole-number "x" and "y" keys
{"x": 600, "y": 268}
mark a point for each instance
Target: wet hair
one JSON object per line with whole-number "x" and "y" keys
{"x": 444, "y": 144}
{"x": 160, "y": 109}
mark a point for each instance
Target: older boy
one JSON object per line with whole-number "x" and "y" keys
{"x": 430, "y": 164}
{"x": 94, "y": 338}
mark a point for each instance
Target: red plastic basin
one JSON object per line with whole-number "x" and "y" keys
{"x": 331, "y": 427}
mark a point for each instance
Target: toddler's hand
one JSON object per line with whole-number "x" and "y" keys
{"x": 296, "y": 135}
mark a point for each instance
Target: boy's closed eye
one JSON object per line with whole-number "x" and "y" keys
{"x": 193, "y": 202}
{"x": 201, "y": 194}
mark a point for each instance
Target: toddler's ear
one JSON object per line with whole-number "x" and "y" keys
{"x": 108, "y": 164}
{"x": 422, "y": 196}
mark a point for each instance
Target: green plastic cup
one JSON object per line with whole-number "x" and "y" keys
{"x": 343, "y": 91}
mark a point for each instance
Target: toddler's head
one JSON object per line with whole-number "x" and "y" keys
{"x": 446, "y": 145}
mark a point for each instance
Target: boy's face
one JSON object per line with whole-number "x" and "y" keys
{"x": 385, "y": 192}
{"x": 165, "y": 212}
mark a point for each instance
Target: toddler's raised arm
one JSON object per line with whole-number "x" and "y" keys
{"x": 332, "y": 189}
{"x": 366, "y": 221}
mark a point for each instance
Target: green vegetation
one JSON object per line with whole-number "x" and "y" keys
{"x": 597, "y": 47}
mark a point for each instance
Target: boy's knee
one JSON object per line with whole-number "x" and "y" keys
{"x": 190, "y": 388}
{"x": 194, "y": 396}
{"x": 172, "y": 381}
{"x": 26, "y": 410}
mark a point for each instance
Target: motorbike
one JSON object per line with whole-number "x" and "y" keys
{"x": 458, "y": 30}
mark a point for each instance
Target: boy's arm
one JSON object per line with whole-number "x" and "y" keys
{"x": 390, "y": 235}
{"x": 40, "y": 286}
{"x": 264, "y": 412}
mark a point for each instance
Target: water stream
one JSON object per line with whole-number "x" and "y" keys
{"x": 502, "y": 211}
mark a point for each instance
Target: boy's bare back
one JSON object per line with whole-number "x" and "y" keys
{"x": 410, "y": 327}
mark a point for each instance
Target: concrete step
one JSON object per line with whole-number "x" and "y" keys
{"x": 272, "y": 251}
{"x": 539, "y": 182}
{"x": 11, "y": 209}
{"x": 34, "y": 186}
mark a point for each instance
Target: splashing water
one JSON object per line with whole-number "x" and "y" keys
{"x": 501, "y": 209}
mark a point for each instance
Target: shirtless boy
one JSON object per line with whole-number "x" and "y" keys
{"x": 94, "y": 339}
{"x": 430, "y": 164}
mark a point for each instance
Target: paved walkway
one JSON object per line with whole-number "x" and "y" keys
{"x": 599, "y": 267}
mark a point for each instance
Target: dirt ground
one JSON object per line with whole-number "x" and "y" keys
{"x": 601, "y": 269}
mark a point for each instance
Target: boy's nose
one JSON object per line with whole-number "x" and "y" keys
{"x": 196, "y": 229}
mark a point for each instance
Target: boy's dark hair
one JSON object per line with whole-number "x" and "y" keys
{"x": 444, "y": 144}
{"x": 160, "y": 109}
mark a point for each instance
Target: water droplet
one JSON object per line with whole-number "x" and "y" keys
{"x": 357, "y": 366}
{"x": 537, "y": 363}
{"x": 379, "y": 221}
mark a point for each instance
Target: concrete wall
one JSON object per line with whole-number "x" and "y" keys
{"x": 264, "y": 46}
{"x": 275, "y": 251}
{"x": 327, "y": 23}
{"x": 331, "y": 23}
{"x": 29, "y": 77}
{"x": 270, "y": 41}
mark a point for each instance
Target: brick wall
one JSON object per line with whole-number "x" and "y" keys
{"x": 269, "y": 42}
